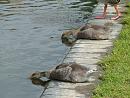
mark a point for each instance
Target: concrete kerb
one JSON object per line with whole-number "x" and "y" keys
{"x": 87, "y": 53}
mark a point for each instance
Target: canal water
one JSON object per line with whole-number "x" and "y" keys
{"x": 30, "y": 32}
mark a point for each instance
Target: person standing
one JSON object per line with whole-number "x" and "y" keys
{"x": 113, "y": 3}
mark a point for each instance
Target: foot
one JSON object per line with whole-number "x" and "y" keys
{"x": 116, "y": 17}
{"x": 100, "y": 17}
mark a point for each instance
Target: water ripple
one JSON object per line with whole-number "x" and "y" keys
{"x": 30, "y": 39}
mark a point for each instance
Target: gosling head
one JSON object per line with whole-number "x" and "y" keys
{"x": 37, "y": 75}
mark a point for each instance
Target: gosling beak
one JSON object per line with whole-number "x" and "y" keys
{"x": 31, "y": 77}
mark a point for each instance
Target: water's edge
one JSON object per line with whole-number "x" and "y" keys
{"x": 87, "y": 53}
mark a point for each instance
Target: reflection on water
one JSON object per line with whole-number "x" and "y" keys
{"x": 31, "y": 39}
{"x": 4, "y": 1}
{"x": 42, "y": 83}
{"x": 9, "y": 1}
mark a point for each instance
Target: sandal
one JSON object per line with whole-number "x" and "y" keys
{"x": 115, "y": 18}
{"x": 100, "y": 17}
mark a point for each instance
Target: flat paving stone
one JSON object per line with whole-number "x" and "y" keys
{"x": 89, "y": 45}
{"x": 67, "y": 90}
{"x": 115, "y": 31}
{"x": 99, "y": 42}
{"x": 84, "y": 55}
{"x": 89, "y": 50}
{"x": 82, "y": 60}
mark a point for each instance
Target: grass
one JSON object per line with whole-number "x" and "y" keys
{"x": 116, "y": 78}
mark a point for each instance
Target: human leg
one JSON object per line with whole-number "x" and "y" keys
{"x": 104, "y": 13}
{"x": 117, "y": 12}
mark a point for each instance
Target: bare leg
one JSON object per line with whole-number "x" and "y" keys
{"x": 104, "y": 13}
{"x": 105, "y": 10}
{"x": 117, "y": 12}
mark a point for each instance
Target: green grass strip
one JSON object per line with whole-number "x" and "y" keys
{"x": 116, "y": 78}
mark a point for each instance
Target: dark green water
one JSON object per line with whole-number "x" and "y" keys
{"x": 30, "y": 32}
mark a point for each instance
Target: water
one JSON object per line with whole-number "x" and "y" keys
{"x": 30, "y": 32}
